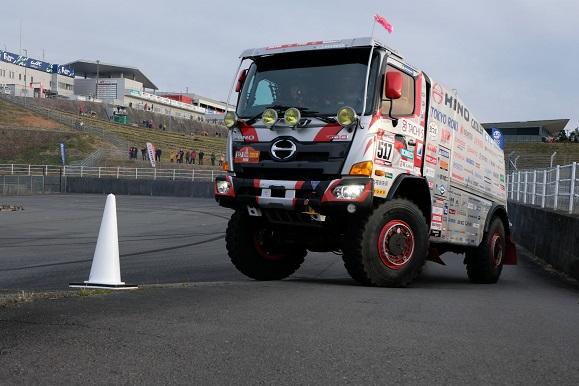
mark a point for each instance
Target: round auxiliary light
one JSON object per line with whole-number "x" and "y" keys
{"x": 230, "y": 120}
{"x": 269, "y": 117}
{"x": 346, "y": 116}
{"x": 292, "y": 117}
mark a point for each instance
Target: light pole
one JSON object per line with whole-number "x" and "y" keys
{"x": 25, "y": 81}
{"x": 96, "y": 90}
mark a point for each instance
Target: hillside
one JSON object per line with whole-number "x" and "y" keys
{"x": 30, "y": 146}
{"x": 537, "y": 155}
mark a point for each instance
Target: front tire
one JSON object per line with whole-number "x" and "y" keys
{"x": 389, "y": 248}
{"x": 484, "y": 264}
{"x": 255, "y": 252}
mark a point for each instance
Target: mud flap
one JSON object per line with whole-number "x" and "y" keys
{"x": 511, "y": 252}
{"x": 434, "y": 255}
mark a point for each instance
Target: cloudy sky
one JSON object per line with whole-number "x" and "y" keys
{"x": 509, "y": 60}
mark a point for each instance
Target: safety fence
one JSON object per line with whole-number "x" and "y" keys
{"x": 555, "y": 188}
{"x": 110, "y": 172}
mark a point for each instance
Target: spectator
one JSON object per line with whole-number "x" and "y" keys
{"x": 188, "y": 157}
{"x": 160, "y": 152}
{"x": 212, "y": 158}
{"x": 221, "y": 159}
{"x": 181, "y": 154}
{"x": 193, "y": 156}
{"x": 144, "y": 153}
{"x": 201, "y": 154}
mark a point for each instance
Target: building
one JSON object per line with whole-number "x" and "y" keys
{"x": 529, "y": 131}
{"x": 126, "y": 86}
{"x": 210, "y": 106}
{"x": 24, "y": 76}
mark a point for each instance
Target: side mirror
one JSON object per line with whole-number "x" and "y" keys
{"x": 393, "y": 85}
{"x": 241, "y": 80}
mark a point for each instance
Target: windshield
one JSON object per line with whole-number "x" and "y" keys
{"x": 316, "y": 82}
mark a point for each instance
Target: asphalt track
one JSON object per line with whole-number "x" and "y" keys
{"x": 217, "y": 327}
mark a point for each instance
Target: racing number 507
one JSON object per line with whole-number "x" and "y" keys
{"x": 384, "y": 150}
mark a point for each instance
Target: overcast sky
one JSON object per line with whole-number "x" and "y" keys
{"x": 509, "y": 60}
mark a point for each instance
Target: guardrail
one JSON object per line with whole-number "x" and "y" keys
{"x": 107, "y": 172}
{"x": 555, "y": 188}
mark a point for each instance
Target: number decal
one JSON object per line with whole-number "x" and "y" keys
{"x": 384, "y": 151}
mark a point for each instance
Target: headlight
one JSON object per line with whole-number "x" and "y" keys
{"x": 269, "y": 117}
{"x": 223, "y": 187}
{"x": 348, "y": 192}
{"x": 292, "y": 117}
{"x": 346, "y": 116}
{"x": 230, "y": 120}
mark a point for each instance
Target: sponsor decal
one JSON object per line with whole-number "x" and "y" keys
{"x": 436, "y": 226}
{"x": 406, "y": 154}
{"x": 409, "y": 127}
{"x": 389, "y": 175}
{"x": 418, "y": 152}
{"x": 502, "y": 178}
{"x": 379, "y": 191}
{"x": 457, "y": 177}
{"x": 452, "y": 211}
{"x": 246, "y": 155}
{"x": 435, "y": 233}
{"x": 446, "y": 135}
{"x": 445, "y": 209}
{"x": 431, "y": 148}
{"x": 430, "y": 185}
{"x": 431, "y": 160}
{"x": 429, "y": 172}
{"x": 406, "y": 165}
{"x": 433, "y": 130}
{"x": 441, "y": 189}
{"x": 457, "y": 166}
{"x": 437, "y": 210}
{"x": 437, "y": 93}
{"x": 444, "y": 152}
{"x": 443, "y": 165}
{"x": 436, "y": 218}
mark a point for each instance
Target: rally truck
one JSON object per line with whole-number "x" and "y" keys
{"x": 343, "y": 146}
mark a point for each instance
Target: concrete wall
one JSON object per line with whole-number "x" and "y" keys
{"x": 203, "y": 189}
{"x": 551, "y": 236}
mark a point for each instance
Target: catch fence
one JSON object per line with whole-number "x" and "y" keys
{"x": 554, "y": 188}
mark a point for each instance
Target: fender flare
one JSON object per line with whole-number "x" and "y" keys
{"x": 426, "y": 205}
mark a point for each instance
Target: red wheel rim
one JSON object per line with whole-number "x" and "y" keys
{"x": 496, "y": 250}
{"x": 259, "y": 241}
{"x": 396, "y": 244}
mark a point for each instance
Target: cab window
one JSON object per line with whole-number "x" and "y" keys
{"x": 405, "y": 105}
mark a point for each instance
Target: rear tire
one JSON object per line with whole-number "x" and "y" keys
{"x": 388, "y": 248}
{"x": 484, "y": 264}
{"x": 253, "y": 249}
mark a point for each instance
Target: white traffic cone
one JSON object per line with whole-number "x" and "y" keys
{"x": 106, "y": 271}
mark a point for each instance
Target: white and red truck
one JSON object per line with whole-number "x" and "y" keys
{"x": 343, "y": 146}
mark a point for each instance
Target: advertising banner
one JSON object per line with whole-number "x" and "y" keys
{"x": 498, "y": 137}
{"x": 63, "y": 153}
{"x": 151, "y": 153}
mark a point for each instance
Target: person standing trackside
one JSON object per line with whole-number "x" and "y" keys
{"x": 213, "y": 158}
{"x": 193, "y": 156}
{"x": 201, "y": 154}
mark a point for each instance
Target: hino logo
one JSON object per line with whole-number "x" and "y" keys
{"x": 283, "y": 149}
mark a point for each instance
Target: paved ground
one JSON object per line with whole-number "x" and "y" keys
{"x": 318, "y": 327}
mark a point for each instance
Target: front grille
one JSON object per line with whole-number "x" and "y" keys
{"x": 312, "y": 161}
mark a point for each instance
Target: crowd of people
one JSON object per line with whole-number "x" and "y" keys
{"x": 190, "y": 157}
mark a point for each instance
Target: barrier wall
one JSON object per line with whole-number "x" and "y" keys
{"x": 201, "y": 189}
{"x": 551, "y": 236}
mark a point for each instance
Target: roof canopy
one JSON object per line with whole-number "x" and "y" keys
{"x": 553, "y": 126}
{"x": 88, "y": 68}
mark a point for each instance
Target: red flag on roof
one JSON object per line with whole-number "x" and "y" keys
{"x": 384, "y": 23}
